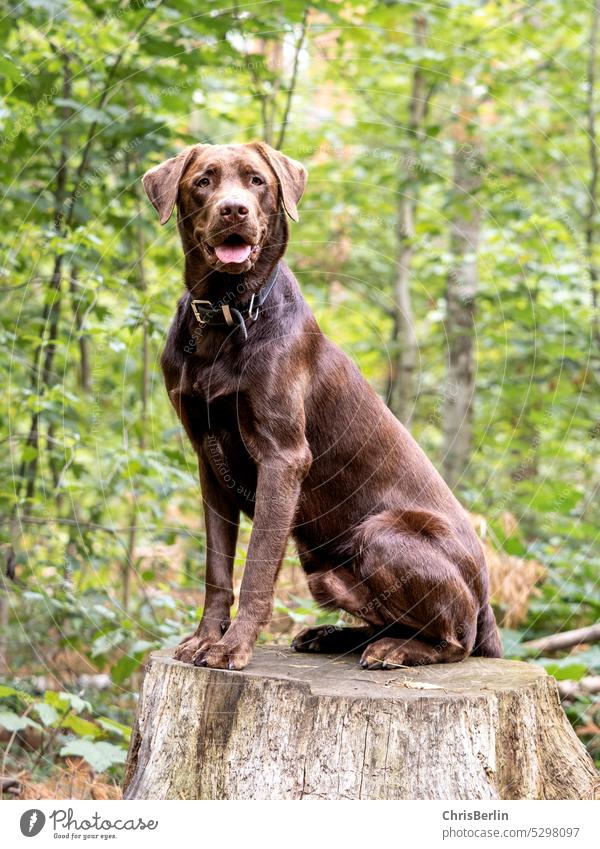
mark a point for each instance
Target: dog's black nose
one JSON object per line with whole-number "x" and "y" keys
{"x": 232, "y": 209}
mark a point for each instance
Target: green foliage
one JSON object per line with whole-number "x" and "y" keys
{"x": 100, "y": 755}
{"x": 99, "y": 497}
{"x": 64, "y": 731}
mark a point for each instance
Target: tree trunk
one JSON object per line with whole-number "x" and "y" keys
{"x": 4, "y": 664}
{"x": 402, "y": 378}
{"x": 128, "y": 564}
{"x": 43, "y": 363}
{"x": 591, "y": 215}
{"x": 79, "y": 316}
{"x": 318, "y": 727}
{"x": 461, "y": 292}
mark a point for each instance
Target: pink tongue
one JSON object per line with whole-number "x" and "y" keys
{"x": 233, "y": 253}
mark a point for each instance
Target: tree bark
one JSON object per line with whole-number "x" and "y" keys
{"x": 317, "y": 727}
{"x": 461, "y": 292}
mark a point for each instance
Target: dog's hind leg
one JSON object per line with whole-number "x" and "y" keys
{"x": 332, "y": 639}
{"x": 419, "y": 584}
{"x": 391, "y": 652}
{"x": 338, "y": 588}
{"x": 488, "y": 643}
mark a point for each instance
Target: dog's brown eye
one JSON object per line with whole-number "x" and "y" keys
{"x": 203, "y": 181}
{"x": 256, "y": 181}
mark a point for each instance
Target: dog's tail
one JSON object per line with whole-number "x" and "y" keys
{"x": 487, "y": 643}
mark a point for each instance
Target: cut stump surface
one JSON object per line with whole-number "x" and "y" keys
{"x": 301, "y": 726}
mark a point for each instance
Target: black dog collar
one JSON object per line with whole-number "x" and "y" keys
{"x": 230, "y": 312}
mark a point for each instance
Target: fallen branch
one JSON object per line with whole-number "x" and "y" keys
{"x": 10, "y": 784}
{"x": 565, "y": 640}
{"x": 587, "y": 686}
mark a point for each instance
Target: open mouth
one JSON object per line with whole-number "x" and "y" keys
{"x": 235, "y": 249}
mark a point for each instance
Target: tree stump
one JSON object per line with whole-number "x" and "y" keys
{"x": 301, "y": 726}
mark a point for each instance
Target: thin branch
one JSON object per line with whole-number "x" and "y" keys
{"x": 91, "y": 526}
{"x": 292, "y": 86}
{"x": 262, "y": 97}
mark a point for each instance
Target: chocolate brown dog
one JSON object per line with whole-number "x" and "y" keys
{"x": 287, "y": 430}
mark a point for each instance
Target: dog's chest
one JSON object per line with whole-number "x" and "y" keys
{"x": 234, "y": 468}
{"x": 211, "y": 380}
{"x": 219, "y": 427}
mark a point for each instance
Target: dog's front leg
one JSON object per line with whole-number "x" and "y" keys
{"x": 221, "y": 518}
{"x": 278, "y": 489}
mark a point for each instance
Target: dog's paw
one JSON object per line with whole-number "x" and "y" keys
{"x": 392, "y": 653}
{"x": 387, "y": 653}
{"x": 199, "y": 641}
{"x": 186, "y": 650}
{"x": 232, "y": 651}
{"x": 223, "y": 655}
{"x": 313, "y": 639}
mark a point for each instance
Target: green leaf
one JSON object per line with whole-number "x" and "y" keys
{"x": 105, "y": 642}
{"x": 125, "y": 667}
{"x": 9, "y": 69}
{"x": 115, "y": 727}
{"x": 5, "y": 691}
{"x": 591, "y": 657}
{"x": 511, "y": 643}
{"x": 566, "y": 669}
{"x": 28, "y": 453}
{"x": 100, "y": 756}
{"x": 13, "y": 722}
{"x": 61, "y": 701}
{"x": 81, "y": 727}
{"x": 46, "y": 712}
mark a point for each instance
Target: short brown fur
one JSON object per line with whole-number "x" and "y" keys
{"x": 287, "y": 430}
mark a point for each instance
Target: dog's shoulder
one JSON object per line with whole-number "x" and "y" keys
{"x": 179, "y": 341}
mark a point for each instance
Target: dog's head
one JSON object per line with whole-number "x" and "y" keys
{"x": 228, "y": 197}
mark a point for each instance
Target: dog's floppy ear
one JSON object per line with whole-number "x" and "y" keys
{"x": 162, "y": 183}
{"x": 291, "y": 176}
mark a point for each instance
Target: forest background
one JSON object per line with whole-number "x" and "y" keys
{"x": 449, "y": 242}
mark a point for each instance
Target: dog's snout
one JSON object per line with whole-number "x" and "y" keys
{"x": 232, "y": 209}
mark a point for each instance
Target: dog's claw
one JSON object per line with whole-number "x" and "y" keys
{"x": 309, "y": 645}
{"x": 371, "y": 663}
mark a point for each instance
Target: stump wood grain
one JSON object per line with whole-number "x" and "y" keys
{"x": 301, "y": 726}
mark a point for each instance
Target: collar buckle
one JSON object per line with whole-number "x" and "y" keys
{"x": 197, "y": 311}
{"x": 206, "y": 311}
